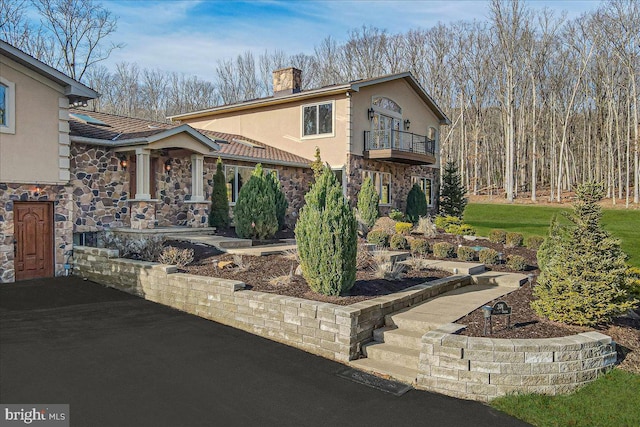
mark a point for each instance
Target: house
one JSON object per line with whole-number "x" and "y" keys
{"x": 35, "y": 203}
{"x": 386, "y": 128}
{"x": 67, "y": 174}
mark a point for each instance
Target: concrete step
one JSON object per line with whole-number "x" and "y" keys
{"x": 392, "y": 256}
{"x": 500, "y": 278}
{"x": 263, "y": 250}
{"x": 386, "y": 370}
{"x": 454, "y": 267}
{"x": 404, "y": 357}
{"x": 411, "y": 320}
{"x": 399, "y": 337}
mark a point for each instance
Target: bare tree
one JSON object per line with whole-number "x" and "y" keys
{"x": 79, "y": 28}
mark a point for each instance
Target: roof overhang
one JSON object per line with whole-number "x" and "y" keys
{"x": 204, "y": 144}
{"x": 264, "y": 102}
{"x": 73, "y": 88}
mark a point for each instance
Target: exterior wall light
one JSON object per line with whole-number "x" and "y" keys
{"x": 124, "y": 163}
{"x": 167, "y": 166}
{"x": 407, "y": 124}
{"x": 370, "y": 113}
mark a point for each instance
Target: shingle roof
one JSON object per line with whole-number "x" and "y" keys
{"x": 122, "y": 129}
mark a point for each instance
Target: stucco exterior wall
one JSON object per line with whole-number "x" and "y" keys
{"x": 38, "y": 151}
{"x": 413, "y": 108}
{"x": 281, "y": 126}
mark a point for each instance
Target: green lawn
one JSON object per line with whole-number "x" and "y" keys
{"x": 534, "y": 220}
{"x": 609, "y": 401}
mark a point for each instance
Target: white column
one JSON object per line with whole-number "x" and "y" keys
{"x": 143, "y": 170}
{"x": 197, "y": 166}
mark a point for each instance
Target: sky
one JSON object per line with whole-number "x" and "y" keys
{"x": 192, "y": 36}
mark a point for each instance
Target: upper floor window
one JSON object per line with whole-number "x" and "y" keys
{"x": 317, "y": 119}
{"x": 387, "y": 104}
{"x": 432, "y": 133}
{"x": 7, "y": 106}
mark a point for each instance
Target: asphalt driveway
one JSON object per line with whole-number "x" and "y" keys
{"x": 119, "y": 360}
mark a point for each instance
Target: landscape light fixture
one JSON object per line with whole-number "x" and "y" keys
{"x": 370, "y": 113}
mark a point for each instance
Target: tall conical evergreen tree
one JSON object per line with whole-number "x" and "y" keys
{"x": 368, "y": 201}
{"x": 317, "y": 166}
{"x": 416, "y": 204}
{"x": 326, "y": 233}
{"x": 219, "y": 212}
{"x": 583, "y": 277}
{"x": 255, "y": 211}
{"x": 452, "y": 192}
{"x": 281, "y": 199}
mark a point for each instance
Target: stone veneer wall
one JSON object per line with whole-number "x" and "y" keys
{"x": 485, "y": 368}
{"x": 295, "y": 183}
{"x": 63, "y": 222}
{"x": 329, "y": 330}
{"x": 400, "y": 180}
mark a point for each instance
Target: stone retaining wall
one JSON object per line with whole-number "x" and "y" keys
{"x": 485, "y": 368}
{"x": 329, "y": 330}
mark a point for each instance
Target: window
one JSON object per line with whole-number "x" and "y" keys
{"x": 432, "y": 133}
{"x": 386, "y": 104}
{"x": 382, "y": 183}
{"x": 317, "y": 119}
{"x": 7, "y": 107}
{"x": 237, "y": 176}
{"x": 425, "y": 186}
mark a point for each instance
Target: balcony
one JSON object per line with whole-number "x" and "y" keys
{"x": 399, "y": 146}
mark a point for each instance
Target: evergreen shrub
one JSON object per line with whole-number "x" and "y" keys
{"x": 219, "y": 212}
{"x": 514, "y": 240}
{"x": 281, "y": 199}
{"x": 403, "y": 227}
{"x": 416, "y": 204}
{"x": 368, "y": 201}
{"x": 461, "y": 230}
{"x": 398, "y": 242}
{"x": 255, "y": 211}
{"x": 396, "y": 215}
{"x": 516, "y": 262}
{"x": 488, "y": 256}
{"x": 443, "y": 250}
{"x": 326, "y": 233}
{"x": 465, "y": 253}
{"x": 443, "y": 222}
{"x": 583, "y": 273}
{"x": 498, "y": 236}
{"x": 378, "y": 238}
{"x": 419, "y": 246}
{"x": 533, "y": 242}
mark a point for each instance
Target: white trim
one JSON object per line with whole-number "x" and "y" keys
{"x": 10, "y": 105}
{"x": 416, "y": 177}
{"x": 331, "y": 134}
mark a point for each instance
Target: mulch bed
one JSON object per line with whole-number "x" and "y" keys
{"x": 257, "y": 272}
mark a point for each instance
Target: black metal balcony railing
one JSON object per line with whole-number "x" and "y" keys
{"x": 399, "y": 140}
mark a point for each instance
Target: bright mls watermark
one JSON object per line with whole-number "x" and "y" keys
{"x": 34, "y": 415}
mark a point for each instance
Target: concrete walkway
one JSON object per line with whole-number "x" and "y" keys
{"x": 395, "y": 350}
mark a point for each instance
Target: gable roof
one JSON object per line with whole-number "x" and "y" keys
{"x": 73, "y": 89}
{"x": 121, "y": 131}
{"x": 353, "y": 86}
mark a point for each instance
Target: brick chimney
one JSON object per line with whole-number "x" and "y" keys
{"x": 286, "y": 81}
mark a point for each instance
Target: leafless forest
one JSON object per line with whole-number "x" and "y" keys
{"x": 537, "y": 101}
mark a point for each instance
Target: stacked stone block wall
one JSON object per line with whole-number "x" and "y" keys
{"x": 329, "y": 330}
{"x": 400, "y": 180}
{"x": 485, "y": 368}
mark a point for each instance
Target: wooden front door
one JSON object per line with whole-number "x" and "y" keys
{"x": 33, "y": 239}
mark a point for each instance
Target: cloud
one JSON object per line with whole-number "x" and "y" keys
{"x": 192, "y": 36}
